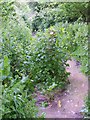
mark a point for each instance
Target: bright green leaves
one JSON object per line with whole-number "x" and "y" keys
{"x": 5, "y": 68}
{"x": 7, "y": 10}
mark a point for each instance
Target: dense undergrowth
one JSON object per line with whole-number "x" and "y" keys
{"x": 28, "y": 62}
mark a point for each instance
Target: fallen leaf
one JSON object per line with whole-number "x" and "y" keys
{"x": 59, "y": 104}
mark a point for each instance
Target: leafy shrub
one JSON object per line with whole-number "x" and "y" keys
{"x": 72, "y": 38}
{"x": 48, "y": 61}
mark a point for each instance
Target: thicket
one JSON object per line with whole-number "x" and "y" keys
{"x": 28, "y": 62}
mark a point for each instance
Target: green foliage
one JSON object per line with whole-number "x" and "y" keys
{"x": 44, "y": 104}
{"x": 55, "y": 12}
{"x": 7, "y": 9}
{"x": 6, "y": 67}
{"x": 16, "y": 103}
{"x": 39, "y": 61}
{"x": 23, "y": 11}
{"x": 16, "y": 37}
{"x": 87, "y": 108}
{"x": 48, "y": 61}
{"x": 72, "y": 38}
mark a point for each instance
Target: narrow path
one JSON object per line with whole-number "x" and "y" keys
{"x": 72, "y": 100}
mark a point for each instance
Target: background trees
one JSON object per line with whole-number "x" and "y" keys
{"x": 49, "y": 14}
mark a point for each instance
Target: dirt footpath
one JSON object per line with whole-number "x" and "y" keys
{"x": 71, "y": 100}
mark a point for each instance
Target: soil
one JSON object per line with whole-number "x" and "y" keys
{"x": 71, "y": 100}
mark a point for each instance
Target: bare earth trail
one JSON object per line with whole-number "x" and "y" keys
{"x": 72, "y": 100}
